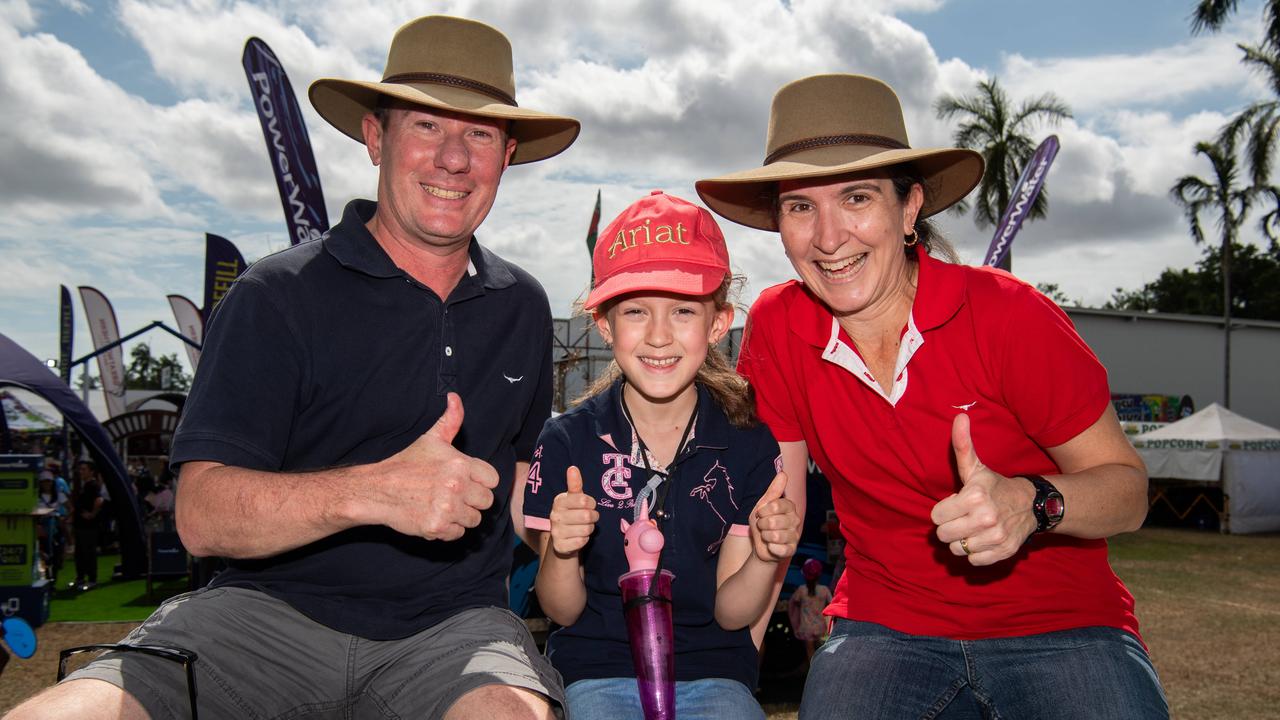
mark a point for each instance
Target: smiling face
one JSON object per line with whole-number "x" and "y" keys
{"x": 845, "y": 237}
{"x": 661, "y": 339}
{"x": 438, "y": 173}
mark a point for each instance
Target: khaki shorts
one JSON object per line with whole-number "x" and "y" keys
{"x": 257, "y": 657}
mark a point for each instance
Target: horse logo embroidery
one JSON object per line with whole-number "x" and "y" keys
{"x": 717, "y": 491}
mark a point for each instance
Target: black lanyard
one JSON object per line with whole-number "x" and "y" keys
{"x": 660, "y": 493}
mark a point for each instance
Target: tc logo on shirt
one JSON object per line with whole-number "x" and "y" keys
{"x": 615, "y": 482}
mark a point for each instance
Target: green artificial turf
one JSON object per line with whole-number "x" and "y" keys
{"x": 113, "y": 600}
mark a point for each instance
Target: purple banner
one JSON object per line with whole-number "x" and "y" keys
{"x": 1024, "y": 194}
{"x": 223, "y": 263}
{"x": 66, "y": 329}
{"x": 287, "y": 143}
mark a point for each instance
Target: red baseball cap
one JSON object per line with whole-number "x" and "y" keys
{"x": 659, "y": 243}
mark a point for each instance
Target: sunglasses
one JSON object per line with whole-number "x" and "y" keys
{"x": 185, "y": 657}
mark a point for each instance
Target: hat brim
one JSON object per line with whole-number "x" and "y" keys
{"x": 748, "y": 197}
{"x": 538, "y": 135}
{"x": 684, "y": 279}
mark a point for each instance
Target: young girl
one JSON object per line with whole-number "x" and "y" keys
{"x": 671, "y": 427}
{"x": 806, "y": 606}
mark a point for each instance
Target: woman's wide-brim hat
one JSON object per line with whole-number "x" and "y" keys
{"x": 451, "y": 64}
{"x": 829, "y": 125}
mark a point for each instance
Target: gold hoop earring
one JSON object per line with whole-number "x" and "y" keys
{"x": 915, "y": 238}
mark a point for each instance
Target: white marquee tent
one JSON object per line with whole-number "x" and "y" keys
{"x": 1218, "y": 446}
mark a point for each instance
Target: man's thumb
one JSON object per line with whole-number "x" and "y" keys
{"x": 573, "y": 479}
{"x": 446, "y": 428}
{"x": 962, "y": 442}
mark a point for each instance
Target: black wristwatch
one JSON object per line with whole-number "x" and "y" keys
{"x": 1049, "y": 507}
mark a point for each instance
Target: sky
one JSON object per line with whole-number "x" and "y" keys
{"x": 127, "y": 130}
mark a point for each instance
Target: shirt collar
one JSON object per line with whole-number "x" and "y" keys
{"x": 940, "y": 289}
{"x": 710, "y": 428}
{"x": 351, "y": 244}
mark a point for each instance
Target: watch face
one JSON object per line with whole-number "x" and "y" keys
{"x": 1053, "y": 506}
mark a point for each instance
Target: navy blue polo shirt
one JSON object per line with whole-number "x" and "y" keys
{"x": 715, "y": 484}
{"x": 327, "y": 354}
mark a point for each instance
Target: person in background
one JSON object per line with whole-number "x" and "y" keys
{"x": 52, "y": 538}
{"x": 805, "y": 607}
{"x": 86, "y": 506}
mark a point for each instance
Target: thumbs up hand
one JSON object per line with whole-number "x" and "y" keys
{"x": 990, "y": 518}
{"x": 573, "y": 516}
{"x": 430, "y": 489}
{"x": 775, "y": 523}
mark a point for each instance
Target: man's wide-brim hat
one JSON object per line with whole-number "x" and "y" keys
{"x": 450, "y": 64}
{"x": 829, "y": 125}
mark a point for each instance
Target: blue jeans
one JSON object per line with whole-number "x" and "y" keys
{"x": 618, "y": 699}
{"x": 869, "y": 671}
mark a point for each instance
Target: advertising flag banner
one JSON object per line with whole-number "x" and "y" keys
{"x": 595, "y": 227}
{"x": 66, "y": 329}
{"x": 104, "y": 330}
{"x": 1024, "y": 193}
{"x": 190, "y": 324}
{"x": 592, "y": 232}
{"x": 223, "y": 263}
{"x": 288, "y": 144}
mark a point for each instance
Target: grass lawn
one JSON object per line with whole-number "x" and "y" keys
{"x": 112, "y": 600}
{"x": 1209, "y": 606}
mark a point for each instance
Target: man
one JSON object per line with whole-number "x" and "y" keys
{"x": 326, "y": 450}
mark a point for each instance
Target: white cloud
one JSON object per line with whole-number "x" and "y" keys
{"x": 102, "y": 186}
{"x": 1101, "y": 83}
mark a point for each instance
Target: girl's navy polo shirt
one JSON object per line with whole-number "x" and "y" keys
{"x": 716, "y": 482}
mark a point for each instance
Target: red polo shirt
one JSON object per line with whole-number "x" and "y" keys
{"x": 978, "y": 340}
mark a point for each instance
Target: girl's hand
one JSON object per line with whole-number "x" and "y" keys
{"x": 573, "y": 516}
{"x": 775, "y": 524}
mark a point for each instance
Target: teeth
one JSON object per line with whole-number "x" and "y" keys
{"x": 446, "y": 194}
{"x": 851, "y": 264}
{"x": 660, "y": 362}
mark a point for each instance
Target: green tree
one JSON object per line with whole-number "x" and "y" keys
{"x": 1260, "y": 121}
{"x": 1255, "y": 282}
{"x": 990, "y": 124}
{"x": 1227, "y": 198}
{"x": 148, "y": 372}
{"x": 1211, "y": 15}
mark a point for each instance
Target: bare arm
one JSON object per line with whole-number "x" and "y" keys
{"x": 429, "y": 489}
{"x": 1103, "y": 485}
{"x": 744, "y": 584}
{"x": 562, "y": 592}
{"x": 795, "y": 463}
{"x": 517, "y": 505}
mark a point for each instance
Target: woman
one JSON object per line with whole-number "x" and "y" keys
{"x": 975, "y": 461}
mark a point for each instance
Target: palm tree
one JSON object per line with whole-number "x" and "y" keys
{"x": 1211, "y": 15}
{"x": 994, "y": 128}
{"x": 1225, "y": 195}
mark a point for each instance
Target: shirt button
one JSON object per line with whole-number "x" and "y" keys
{"x": 448, "y": 351}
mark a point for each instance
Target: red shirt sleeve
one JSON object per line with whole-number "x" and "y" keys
{"x": 1050, "y": 379}
{"x": 763, "y": 362}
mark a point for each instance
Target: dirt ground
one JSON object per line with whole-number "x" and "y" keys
{"x": 23, "y": 678}
{"x": 1209, "y": 607}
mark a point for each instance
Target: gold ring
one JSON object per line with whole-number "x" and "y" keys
{"x": 964, "y": 545}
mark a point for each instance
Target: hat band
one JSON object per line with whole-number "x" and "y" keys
{"x": 452, "y": 81}
{"x": 828, "y": 140}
